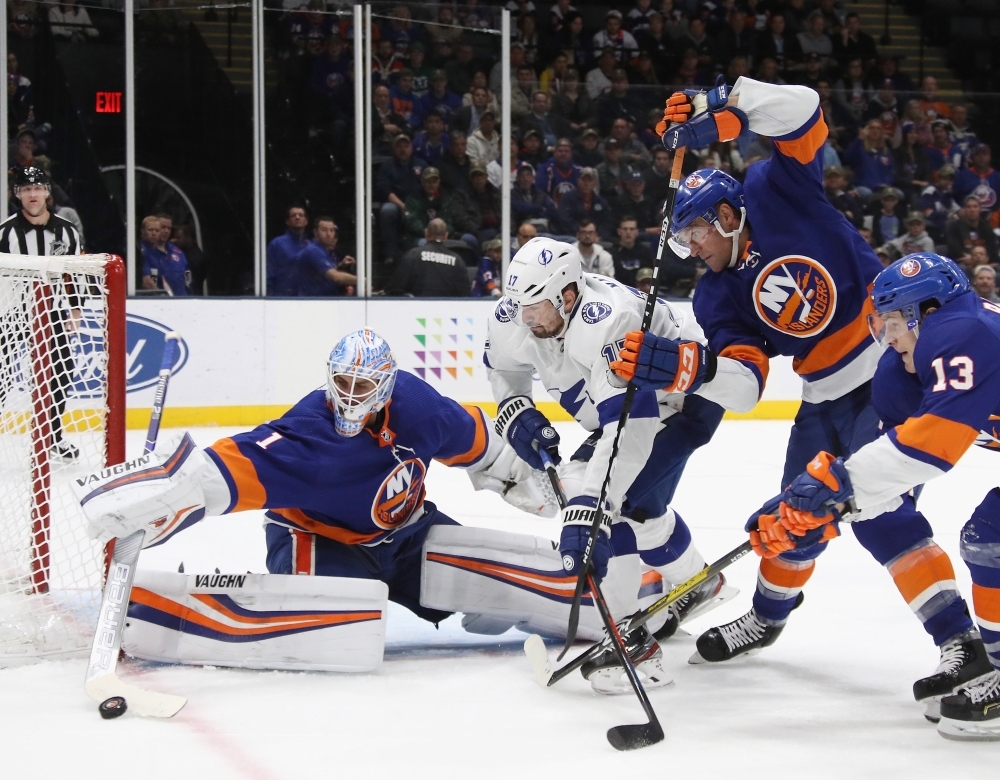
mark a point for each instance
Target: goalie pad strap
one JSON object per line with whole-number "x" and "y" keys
{"x": 258, "y": 621}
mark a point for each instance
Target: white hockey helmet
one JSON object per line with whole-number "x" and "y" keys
{"x": 541, "y": 270}
{"x": 360, "y": 375}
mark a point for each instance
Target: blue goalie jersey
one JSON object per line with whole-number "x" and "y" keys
{"x": 354, "y": 490}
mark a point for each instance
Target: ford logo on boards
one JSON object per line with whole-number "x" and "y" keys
{"x": 145, "y": 340}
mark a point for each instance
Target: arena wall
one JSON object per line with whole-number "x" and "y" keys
{"x": 248, "y": 360}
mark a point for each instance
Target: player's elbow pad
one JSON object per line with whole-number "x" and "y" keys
{"x": 159, "y": 492}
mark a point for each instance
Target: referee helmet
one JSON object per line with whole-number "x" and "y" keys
{"x": 31, "y": 175}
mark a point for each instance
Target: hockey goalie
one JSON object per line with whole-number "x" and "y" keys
{"x": 341, "y": 477}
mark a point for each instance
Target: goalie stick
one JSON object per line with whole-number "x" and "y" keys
{"x": 102, "y": 679}
{"x": 647, "y": 321}
{"x": 534, "y": 647}
{"x": 632, "y": 735}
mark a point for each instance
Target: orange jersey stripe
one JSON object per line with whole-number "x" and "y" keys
{"x": 342, "y": 535}
{"x": 155, "y": 601}
{"x": 250, "y": 493}
{"x": 804, "y": 149}
{"x": 479, "y": 441}
{"x": 784, "y": 574}
{"x": 945, "y": 439}
{"x": 749, "y": 354}
{"x": 837, "y": 345}
{"x": 649, "y": 577}
{"x": 986, "y": 602}
{"x": 303, "y": 552}
{"x": 920, "y": 569}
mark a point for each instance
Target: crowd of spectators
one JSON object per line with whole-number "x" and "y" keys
{"x": 587, "y": 89}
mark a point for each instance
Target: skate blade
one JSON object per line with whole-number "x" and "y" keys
{"x": 932, "y": 709}
{"x": 969, "y": 731}
{"x": 697, "y": 658}
{"x": 726, "y": 592}
{"x": 614, "y": 681}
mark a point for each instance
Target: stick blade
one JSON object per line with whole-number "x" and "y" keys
{"x": 635, "y": 736}
{"x": 538, "y": 655}
{"x": 149, "y": 704}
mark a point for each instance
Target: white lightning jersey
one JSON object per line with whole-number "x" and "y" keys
{"x": 574, "y": 370}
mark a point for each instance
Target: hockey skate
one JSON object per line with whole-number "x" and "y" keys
{"x": 63, "y": 449}
{"x": 607, "y": 675}
{"x": 710, "y": 594}
{"x": 963, "y": 661}
{"x": 747, "y": 636}
{"x": 973, "y": 714}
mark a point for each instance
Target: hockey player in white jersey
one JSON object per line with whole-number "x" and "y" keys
{"x": 568, "y": 326}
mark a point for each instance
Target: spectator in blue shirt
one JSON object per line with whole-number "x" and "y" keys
{"x": 871, "y": 159}
{"x": 431, "y": 144}
{"x": 321, "y": 271}
{"x": 488, "y": 277}
{"x": 398, "y": 179}
{"x": 439, "y": 99}
{"x": 979, "y": 179}
{"x": 164, "y": 265}
{"x": 281, "y": 252}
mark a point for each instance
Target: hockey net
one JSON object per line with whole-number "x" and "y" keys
{"x": 62, "y": 399}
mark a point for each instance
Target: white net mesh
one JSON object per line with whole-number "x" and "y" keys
{"x": 53, "y": 423}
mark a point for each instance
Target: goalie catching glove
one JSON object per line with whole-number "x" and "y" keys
{"x": 518, "y": 484}
{"x": 159, "y": 493}
{"x": 527, "y": 430}
{"x": 652, "y": 362}
{"x": 577, "y": 520}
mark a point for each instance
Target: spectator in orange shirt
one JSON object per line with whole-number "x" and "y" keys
{"x": 931, "y": 107}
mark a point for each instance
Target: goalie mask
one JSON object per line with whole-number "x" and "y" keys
{"x": 360, "y": 375}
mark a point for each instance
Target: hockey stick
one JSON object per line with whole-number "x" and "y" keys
{"x": 102, "y": 681}
{"x": 633, "y": 735}
{"x": 647, "y": 321}
{"x": 534, "y": 647}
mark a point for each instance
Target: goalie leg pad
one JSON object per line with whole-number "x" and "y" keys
{"x": 502, "y": 580}
{"x": 257, "y": 621}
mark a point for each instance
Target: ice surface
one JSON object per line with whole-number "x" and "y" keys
{"x": 830, "y": 700}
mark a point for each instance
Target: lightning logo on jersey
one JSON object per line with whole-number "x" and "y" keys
{"x": 796, "y": 296}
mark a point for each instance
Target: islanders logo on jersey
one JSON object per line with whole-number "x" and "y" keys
{"x": 986, "y": 194}
{"x": 795, "y": 295}
{"x": 401, "y": 492}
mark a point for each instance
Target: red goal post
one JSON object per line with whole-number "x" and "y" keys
{"x": 62, "y": 414}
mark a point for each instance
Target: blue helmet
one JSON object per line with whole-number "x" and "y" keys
{"x": 360, "y": 375}
{"x": 699, "y": 194}
{"x": 916, "y": 278}
{"x": 906, "y": 284}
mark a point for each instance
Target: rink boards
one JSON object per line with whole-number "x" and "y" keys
{"x": 248, "y": 360}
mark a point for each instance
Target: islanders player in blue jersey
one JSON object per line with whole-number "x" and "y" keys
{"x": 940, "y": 391}
{"x": 342, "y": 479}
{"x": 788, "y": 275}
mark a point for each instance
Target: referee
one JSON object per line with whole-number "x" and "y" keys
{"x": 34, "y": 230}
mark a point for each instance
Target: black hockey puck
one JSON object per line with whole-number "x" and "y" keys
{"x": 113, "y": 707}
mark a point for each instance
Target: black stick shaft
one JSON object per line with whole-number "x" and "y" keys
{"x": 647, "y": 321}
{"x": 614, "y": 635}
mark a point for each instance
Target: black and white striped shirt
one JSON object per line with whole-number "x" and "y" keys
{"x": 56, "y": 237}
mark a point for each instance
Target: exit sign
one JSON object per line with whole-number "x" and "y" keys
{"x": 109, "y": 103}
